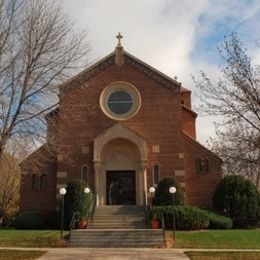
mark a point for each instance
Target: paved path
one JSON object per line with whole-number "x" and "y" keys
{"x": 115, "y": 254}
{"x": 109, "y": 254}
{"x": 119, "y": 253}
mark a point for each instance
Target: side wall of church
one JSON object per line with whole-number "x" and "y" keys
{"x": 200, "y": 186}
{"x": 38, "y": 194}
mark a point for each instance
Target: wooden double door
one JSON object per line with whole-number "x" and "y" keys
{"x": 121, "y": 188}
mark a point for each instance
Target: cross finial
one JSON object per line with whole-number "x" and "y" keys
{"x": 119, "y": 37}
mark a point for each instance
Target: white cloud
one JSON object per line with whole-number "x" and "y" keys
{"x": 164, "y": 33}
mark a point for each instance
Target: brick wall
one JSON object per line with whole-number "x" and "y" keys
{"x": 200, "y": 187}
{"x": 158, "y": 121}
{"x": 39, "y": 163}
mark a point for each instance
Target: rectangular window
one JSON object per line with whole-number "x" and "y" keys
{"x": 202, "y": 166}
{"x": 39, "y": 183}
{"x": 43, "y": 182}
{"x": 35, "y": 183}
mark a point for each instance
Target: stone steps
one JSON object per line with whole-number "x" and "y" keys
{"x": 118, "y": 217}
{"x": 117, "y": 238}
{"x": 117, "y": 226}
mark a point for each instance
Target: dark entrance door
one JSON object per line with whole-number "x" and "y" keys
{"x": 121, "y": 188}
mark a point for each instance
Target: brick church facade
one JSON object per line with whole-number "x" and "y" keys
{"x": 122, "y": 126}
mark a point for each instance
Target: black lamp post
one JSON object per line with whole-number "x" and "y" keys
{"x": 172, "y": 190}
{"x": 152, "y": 191}
{"x": 87, "y": 191}
{"x": 62, "y": 192}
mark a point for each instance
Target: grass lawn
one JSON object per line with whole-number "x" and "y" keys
{"x": 223, "y": 255}
{"x": 225, "y": 239}
{"x": 18, "y": 254}
{"x": 31, "y": 238}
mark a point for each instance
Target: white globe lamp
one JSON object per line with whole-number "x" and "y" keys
{"x": 87, "y": 190}
{"x": 172, "y": 190}
{"x": 62, "y": 191}
{"x": 151, "y": 189}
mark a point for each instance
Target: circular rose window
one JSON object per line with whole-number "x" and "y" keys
{"x": 120, "y": 100}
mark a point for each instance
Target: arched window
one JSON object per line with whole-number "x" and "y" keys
{"x": 84, "y": 173}
{"x": 156, "y": 175}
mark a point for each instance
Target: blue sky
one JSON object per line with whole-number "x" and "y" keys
{"x": 178, "y": 37}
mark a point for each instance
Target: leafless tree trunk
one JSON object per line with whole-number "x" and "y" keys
{"x": 236, "y": 97}
{"x": 39, "y": 49}
{"x": 9, "y": 187}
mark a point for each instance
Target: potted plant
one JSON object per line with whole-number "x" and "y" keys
{"x": 155, "y": 222}
{"x": 83, "y": 223}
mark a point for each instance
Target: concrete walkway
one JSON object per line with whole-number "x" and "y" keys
{"x": 108, "y": 253}
{"x": 120, "y": 253}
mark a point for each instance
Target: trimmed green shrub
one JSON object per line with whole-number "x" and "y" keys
{"x": 219, "y": 222}
{"x": 186, "y": 217}
{"x": 30, "y": 220}
{"x": 76, "y": 200}
{"x": 162, "y": 195}
{"x": 237, "y": 198}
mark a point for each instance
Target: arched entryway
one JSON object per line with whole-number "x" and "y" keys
{"x": 120, "y": 179}
{"x": 120, "y": 167}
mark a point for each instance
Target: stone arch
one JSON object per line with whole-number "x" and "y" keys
{"x": 119, "y": 131}
{"x": 120, "y": 148}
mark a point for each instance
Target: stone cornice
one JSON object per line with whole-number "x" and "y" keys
{"x": 152, "y": 73}
{"x": 90, "y": 72}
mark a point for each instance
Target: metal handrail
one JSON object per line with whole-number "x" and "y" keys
{"x": 163, "y": 227}
{"x": 147, "y": 210}
{"x": 75, "y": 219}
{"x": 93, "y": 208}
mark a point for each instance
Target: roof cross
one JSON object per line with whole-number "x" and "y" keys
{"x": 119, "y": 37}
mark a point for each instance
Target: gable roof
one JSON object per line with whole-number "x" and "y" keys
{"x": 130, "y": 60}
{"x": 200, "y": 146}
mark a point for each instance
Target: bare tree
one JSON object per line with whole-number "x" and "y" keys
{"x": 39, "y": 49}
{"x": 236, "y": 97}
{"x": 9, "y": 187}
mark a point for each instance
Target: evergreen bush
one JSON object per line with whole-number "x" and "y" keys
{"x": 237, "y": 198}
{"x": 75, "y": 200}
{"x": 30, "y": 220}
{"x": 186, "y": 217}
{"x": 219, "y": 222}
{"x": 162, "y": 195}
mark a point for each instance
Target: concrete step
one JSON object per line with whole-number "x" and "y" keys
{"x": 123, "y": 217}
{"x": 141, "y": 226}
{"x": 117, "y": 238}
{"x": 111, "y": 210}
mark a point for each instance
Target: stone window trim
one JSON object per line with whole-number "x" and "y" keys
{"x": 202, "y": 166}
{"x": 127, "y": 87}
{"x": 156, "y": 172}
{"x": 84, "y": 175}
{"x": 39, "y": 182}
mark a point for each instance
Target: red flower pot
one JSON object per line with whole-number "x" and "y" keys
{"x": 155, "y": 223}
{"x": 83, "y": 224}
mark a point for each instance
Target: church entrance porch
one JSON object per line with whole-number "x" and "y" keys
{"x": 120, "y": 159}
{"x": 121, "y": 188}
